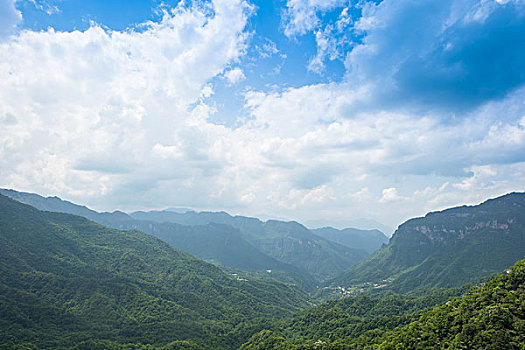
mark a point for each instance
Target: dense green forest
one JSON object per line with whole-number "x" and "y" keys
{"x": 65, "y": 280}
{"x": 447, "y": 248}
{"x": 294, "y": 254}
{"x": 491, "y": 316}
{"x": 69, "y": 283}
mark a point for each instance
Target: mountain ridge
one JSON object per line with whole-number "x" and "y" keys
{"x": 449, "y": 247}
{"x": 317, "y": 260}
{"x": 65, "y": 279}
{"x": 367, "y": 240}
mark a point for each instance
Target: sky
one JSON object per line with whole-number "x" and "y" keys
{"x": 320, "y": 111}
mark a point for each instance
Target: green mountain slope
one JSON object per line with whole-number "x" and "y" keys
{"x": 294, "y": 244}
{"x": 448, "y": 248}
{"x": 367, "y": 240}
{"x": 219, "y": 244}
{"x": 302, "y": 258}
{"x": 288, "y": 242}
{"x": 65, "y": 280}
{"x": 337, "y": 324}
{"x": 224, "y": 245}
{"x": 488, "y": 317}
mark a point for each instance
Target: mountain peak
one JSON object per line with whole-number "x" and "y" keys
{"x": 449, "y": 247}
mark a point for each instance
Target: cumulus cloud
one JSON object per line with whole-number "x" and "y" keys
{"x": 119, "y": 119}
{"x": 390, "y": 195}
{"x": 235, "y": 75}
{"x": 344, "y": 152}
{"x": 81, "y": 110}
{"x": 452, "y": 55}
{"x": 301, "y": 16}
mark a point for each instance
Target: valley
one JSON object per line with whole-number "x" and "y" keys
{"x": 125, "y": 279}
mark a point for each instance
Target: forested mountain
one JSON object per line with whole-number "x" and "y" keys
{"x": 488, "y": 317}
{"x": 224, "y": 245}
{"x": 288, "y": 242}
{"x": 67, "y": 281}
{"x": 367, "y": 240}
{"x": 289, "y": 249}
{"x": 53, "y": 204}
{"x": 448, "y": 248}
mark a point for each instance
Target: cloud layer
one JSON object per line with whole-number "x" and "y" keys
{"x": 451, "y": 54}
{"x": 431, "y": 112}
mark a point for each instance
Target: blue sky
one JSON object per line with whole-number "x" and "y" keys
{"x": 322, "y": 111}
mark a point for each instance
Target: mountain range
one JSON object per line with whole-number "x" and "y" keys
{"x": 367, "y": 240}
{"x": 65, "y": 280}
{"x": 68, "y": 282}
{"x": 293, "y": 253}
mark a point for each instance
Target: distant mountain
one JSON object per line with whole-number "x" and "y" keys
{"x": 361, "y": 224}
{"x": 54, "y": 204}
{"x": 219, "y": 244}
{"x": 294, "y": 244}
{"x": 302, "y": 257}
{"x": 367, "y": 240}
{"x": 291, "y": 251}
{"x": 178, "y": 210}
{"x": 448, "y": 248}
{"x": 250, "y": 226}
{"x": 370, "y": 224}
{"x": 224, "y": 245}
{"x": 66, "y": 281}
{"x": 288, "y": 242}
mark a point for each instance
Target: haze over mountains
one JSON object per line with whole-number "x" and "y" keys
{"x": 367, "y": 240}
{"x": 292, "y": 252}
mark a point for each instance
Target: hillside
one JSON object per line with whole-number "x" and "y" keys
{"x": 294, "y": 244}
{"x": 488, "y": 317}
{"x": 289, "y": 249}
{"x": 66, "y": 280}
{"x": 447, "y": 248}
{"x": 219, "y": 244}
{"x": 223, "y": 245}
{"x": 288, "y": 242}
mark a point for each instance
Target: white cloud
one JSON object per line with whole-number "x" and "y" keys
{"x": 9, "y": 18}
{"x": 390, "y": 195}
{"x": 301, "y": 16}
{"x": 46, "y": 7}
{"x": 118, "y": 119}
{"x": 235, "y": 75}
{"x": 333, "y": 41}
{"x": 94, "y": 109}
{"x": 267, "y": 48}
{"x": 312, "y": 132}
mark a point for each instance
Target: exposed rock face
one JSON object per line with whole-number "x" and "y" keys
{"x": 450, "y": 247}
